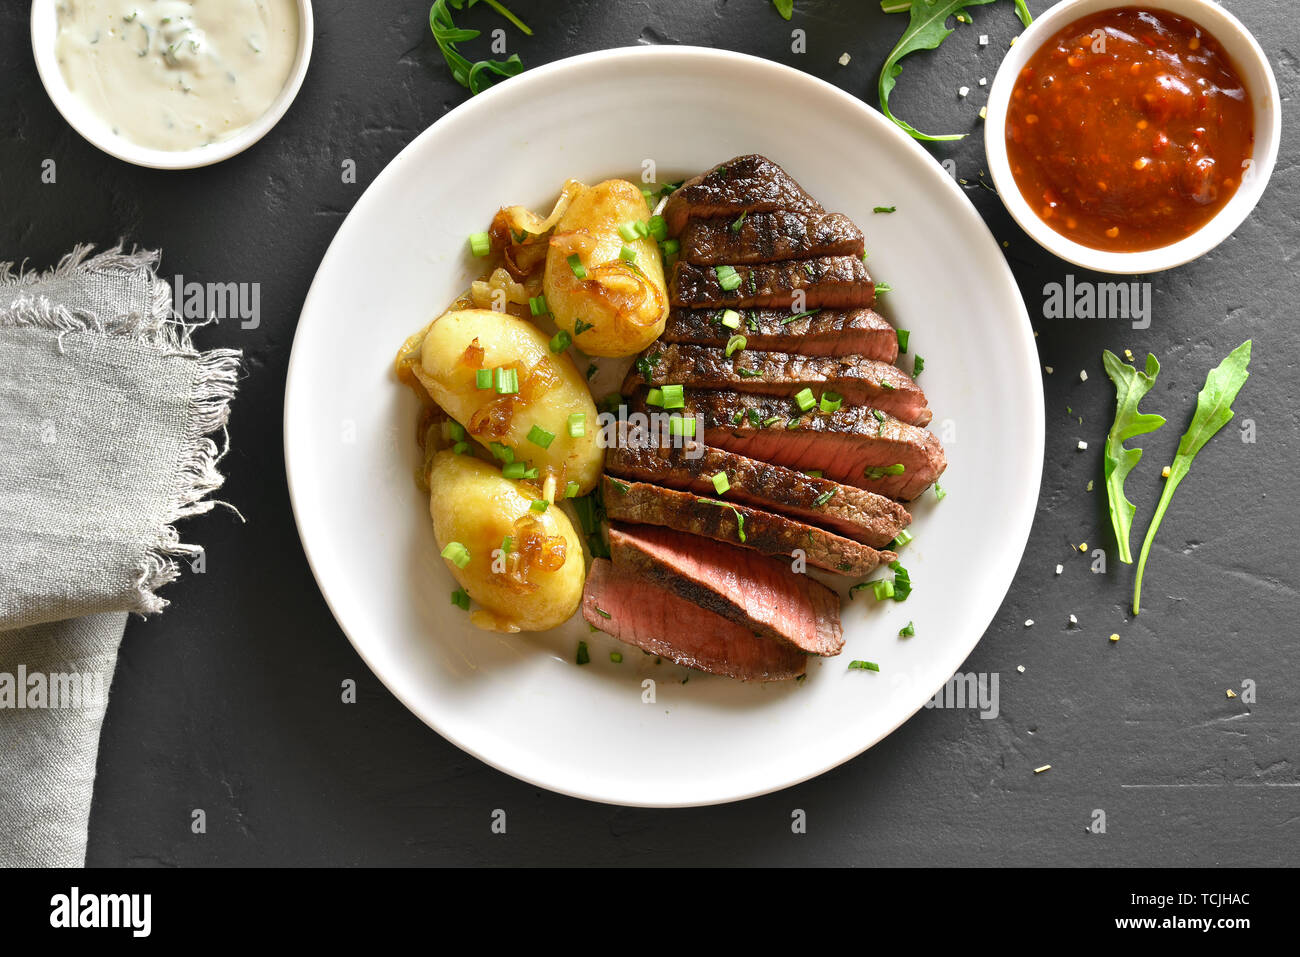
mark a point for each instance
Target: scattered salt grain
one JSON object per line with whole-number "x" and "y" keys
{"x": 984, "y": 112}
{"x": 1048, "y": 369}
{"x": 1082, "y": 445}
{"x": 1029, "y": 623}
{"x": 1083, "y": 375}
{"x": 1059, "y": 569}
{"x": 984, "y": 39}
{"x": 963, "y": 90}
{"x": 984, "y": 81}
{"x": 844, "y": 59}
{"x": 1073, "y": 620}
{"x": 1021, "y": 669}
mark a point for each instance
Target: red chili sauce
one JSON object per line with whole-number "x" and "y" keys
{"x": 1129, "y": 129}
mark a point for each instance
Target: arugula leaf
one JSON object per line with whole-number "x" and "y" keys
{"x": 1130, "y": 386}
{"x": 926, "y": 30}
{"x": 473, "y": 76}
{"x": 784, "y": 7}
{"x": 1213, "y": 412}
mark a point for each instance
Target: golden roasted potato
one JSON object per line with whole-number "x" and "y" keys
{"x": 535, "y": 583}
{"x": 535, "y": 422}
{"x": 616, "y": 307}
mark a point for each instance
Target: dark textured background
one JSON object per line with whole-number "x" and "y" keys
{"x": 230, "y": 701}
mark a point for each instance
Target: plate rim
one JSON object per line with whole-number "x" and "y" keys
{"x": 1023, "y": 516}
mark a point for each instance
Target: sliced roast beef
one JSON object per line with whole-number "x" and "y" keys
{"x": 819, "y": 332}
{"x": 746, "y": 183}
{"x": 839, "y": 282}
{"x": 769, "y": 237}
{"x": 711, "y": 517}
{"x": 759, "y": 593}
{"x": 852, "y": 512}
{"x": 852, "y": 445}
{"x": 662, "y": 623}
{"x": 856, "y": 380}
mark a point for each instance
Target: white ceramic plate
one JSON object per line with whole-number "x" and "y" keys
{"x": 520, "y": 703}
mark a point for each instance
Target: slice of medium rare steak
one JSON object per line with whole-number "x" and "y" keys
{"x": 759, "y": 593}
{"x": 815, "y": 332}
{"x": 854, "y": 445}
{"x": 749, "y": 183}
{"x": 852, "y": 512}
{"x": 664, "y": 624}
{"x": 856, "y": 380}
{"x": 769, "y": 237}
{"x": 765, "y": 532}
{"x": 837, "y": 282}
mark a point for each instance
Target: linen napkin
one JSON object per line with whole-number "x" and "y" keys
{"x": 106, "y": 412}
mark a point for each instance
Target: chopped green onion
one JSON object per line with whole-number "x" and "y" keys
{"x": 627, "y": 254}
{"x": 579, "y": 327}
{"x": 792, "y": 424}
{"x": 880, "y": 471}
{"x": 824, "y": 497}
{"x": 831, "y": 402}
{"x": 939, "y": 493}
{"x": 658, "y": 228}
{"x": 917, "y": 365}
{"x": 628, "y": 232}
{"x": 813, "y": 473}
{"x": 480, "y": 244}
{"x": 728, "y": 278}
{"x": 740, "y": 519}
{"x": 583, "y": 657}
{"x": 649, "y": 195}
{"x": 460, "y": 598}
{"x": 804, "y": 399}
{"x": 682, "y": 426}
{"x": 561, "y": 341}
{"x": 882, "y": 286}
{"x": 907, "y": 630}
{"x": 670, "y": 247}
{"x": 537, "y": 306}
{"x": 749, "y": 373}
{"x": 863, "y": 666}
{"x": 882, "y": 589}
{"x": 735, "y": 227}
{"x": 514, "y": 470}
{"x": 577, "y": 424}
{"x": 540, "y": 437}
{"x": 457, "y": 554}
{"x": 571, "y": 490}
{"x": 575, "y": 263}
{"x": 655, "y": 397}
{"x": 730, "y": 318}
{"x": 735, "y": 344}
{"x": 880, "y": 416}
{"x": 902, "y": 586}
{"x": 903, "y": 336}
{"x": 674, "y": 396}
{"x": 507, "y": 544}
{"x": 616, "y": 657}
{"x": 884, "y": 209}
{"x": 503, "y": 452}
{"x": 530, "y": 473}
{"x": 591, "y": 371}
{"x": 538, "y": 505}
{"x": 455, "y": 431}
{"x": 506, "y": 381}
{"x": 721, "y": 483}
{"x": 623, "y": 487}
{"x": 460, "y": 448}
{"x": 603, "y": 613}
{"x": 886, "y": 386}
{"x": 771, "y": 420}
{"x": 903, "y": 537}
{"x": 483, "y": 378}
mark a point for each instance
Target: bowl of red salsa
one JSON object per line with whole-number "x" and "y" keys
{"x": 1131, "y": 138}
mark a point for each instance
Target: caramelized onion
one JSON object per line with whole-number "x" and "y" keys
{"x": 473, "y": 355}
{"x": 493, "y": 419}
{"x": 635, "y": 299}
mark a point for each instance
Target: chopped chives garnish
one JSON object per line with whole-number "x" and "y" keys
{"x": 575, "y": 263}
{"x": 616, "y": 657}
{"x": 886, "y": 386}
{"x": 813, "y": 473}
{"x": 804, "y": 399}
{"x": 628, "y": 232}
{"x": 902, "y": 586}
{"x": 655, "y": 397}
{"x": 623, "y": 487}
{"x": 882, "y": 589}
{"x": 792, "y": 424}
{"x": 670, "y": 247}
{"x": 507, "y": 544}
{"x": 880, "y": 416}
{"x": 483, "y": 378}
{"x": 939, "y": 493}
{"x": 460, "y": 598}
{"x": 682, "y": 426}
{"x": 903, "y": 336}
{"x": 514, "y": 470}
{"x": 903, "y": 537}
{"x": 730, "y": 318}
{"x": 831, "y": 402}
{"x": 627, "y": 254}
{"x": 674, "y": 396}
{"x": 771, "y": 420}
{"x": 503, "y": 452}
{"x": 530, "y": 473}
{"x": 579, "y": 327}
{"x": 480, "y": 244}
{"x": 658, "y": 228}
{"x": 721, "y": 483}
{"x": 582, "y": 657}
{"x": 863, "y": 666}
{"x": 735, "y": 227}
{"x": 540, "y": 437}
{"x": 538, "y": 505}
{"x": 735, "y": 344}
{"x": 571, "y": 490}
{"x": 460, "y": 448}
{"x": 537, "y": 306}
{"x": 603, "y": 613}
{"x": 907, "y": 630}
{"x": 882, "y": 286}
{"x": 799, "y": 315}
{"x": 455, "y": 431}
{"x": 824, "y": 497}
{"x": 506, "y": 381}
{"x": 561, "y": 341}
{"x": 728, "y": 278}
{"x": 642, "y": 229}
{"x": 740, "y": 519}
{"x": 457, "y": 554}
{"x": 880, "y": 471}
{"x": 917, "y": 365}
{"x": 577, "y": 424}
{"x": 884, "y": 209}
{"x": 649, "y": 195}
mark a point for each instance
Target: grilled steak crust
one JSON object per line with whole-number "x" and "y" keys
{"x": 769, "y": 237}
{"x": 761, "y": 594}
{"x": 843, "y": 445}
{"x": 825, "y": 332}
{"x": 665, "y": 624}
{"x": 840, "y": 282}
{"x": 852, "y": 512}
{"x": 859, "y": 381}
{"x": 750, "y": 183}
{"x": 764, "y": 532}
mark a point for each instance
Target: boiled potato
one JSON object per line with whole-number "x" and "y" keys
{"x": 619, "y": 307}
{"x": 535, "y": 585}
{"x": 460, "y": 343}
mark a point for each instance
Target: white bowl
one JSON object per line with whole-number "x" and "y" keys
{"x": 1251, "y": 63}
{"x": 45, "y": 29}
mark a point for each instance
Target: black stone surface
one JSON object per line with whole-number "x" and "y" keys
{"x": 230, "y": 700}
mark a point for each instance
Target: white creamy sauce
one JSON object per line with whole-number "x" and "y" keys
{"x": 177, "y": 74}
